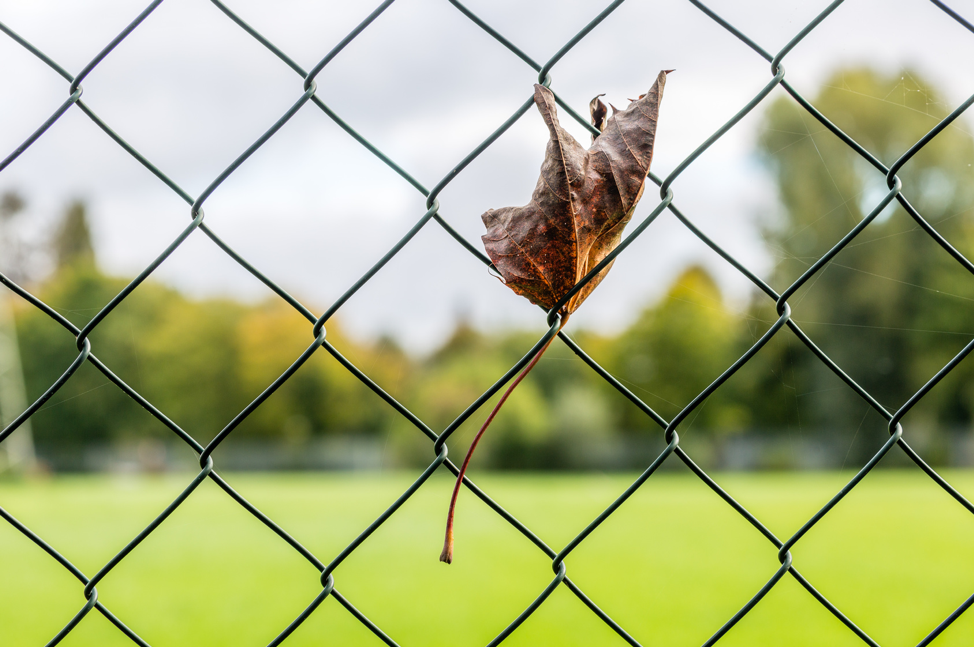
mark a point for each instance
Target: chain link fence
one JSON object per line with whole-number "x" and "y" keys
{"x": 307, "y": 99}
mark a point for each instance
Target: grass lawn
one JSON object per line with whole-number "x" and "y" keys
{"x": 671, "y": 566}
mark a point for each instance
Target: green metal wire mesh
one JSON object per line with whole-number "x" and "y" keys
{"x": 209, "y": 455}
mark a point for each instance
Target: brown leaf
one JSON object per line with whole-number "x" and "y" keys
{"x": 599, "y": 112}
{"x": 582, "y": 202}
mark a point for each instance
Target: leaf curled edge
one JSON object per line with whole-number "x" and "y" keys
{"x": 581, "y": 204}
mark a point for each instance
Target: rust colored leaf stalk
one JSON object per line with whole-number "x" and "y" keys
{"x": 581, "y": 204}
{"x": 447, "y": 554}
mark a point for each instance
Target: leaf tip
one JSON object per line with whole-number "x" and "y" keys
{"x": 599, "y": 113}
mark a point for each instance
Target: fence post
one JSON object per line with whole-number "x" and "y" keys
{"x": 17, "y": 452}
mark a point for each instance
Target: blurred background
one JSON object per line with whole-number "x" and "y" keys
{"x": 314, "y": 210}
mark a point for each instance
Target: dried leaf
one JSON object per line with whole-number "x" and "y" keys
{"x": 599, "y": 112}
{"x": 582, "y": 202}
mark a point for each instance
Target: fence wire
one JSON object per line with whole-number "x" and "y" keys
{"x": 673, "y": 451}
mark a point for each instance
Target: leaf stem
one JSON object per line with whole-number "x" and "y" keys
{"x": 447, "y": 554}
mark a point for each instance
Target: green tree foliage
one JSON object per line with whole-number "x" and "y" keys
{"x": 323, "y": 396}
{"x": 87, "y": 408}
{"x": 675, "y": 349}
{"x": 891, "y": 308}
{"x": 199, "y": 362}
{"x": 457, "y": 374}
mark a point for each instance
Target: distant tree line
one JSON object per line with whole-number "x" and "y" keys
{"x": 891, "y": 309}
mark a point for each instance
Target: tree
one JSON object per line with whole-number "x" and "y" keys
{"x": 675, "y": 349}
{"x": 200, "y": 362}
{"x": 889, "y": 307}
{"x": 72, "y": 242}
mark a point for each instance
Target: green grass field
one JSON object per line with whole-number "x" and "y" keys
{"x": 671, "y": 566}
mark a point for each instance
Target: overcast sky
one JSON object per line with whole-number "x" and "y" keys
{"x": 314, "y": 210}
